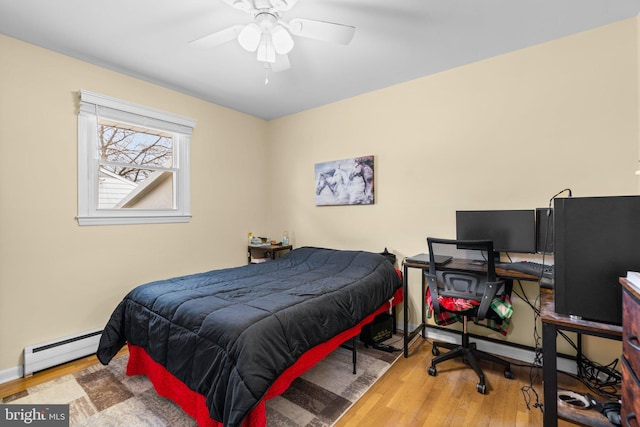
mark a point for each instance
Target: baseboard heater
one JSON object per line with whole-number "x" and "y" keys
{"x": 48, "y": 354}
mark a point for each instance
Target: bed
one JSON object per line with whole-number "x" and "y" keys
{"x": 222, "y": 342}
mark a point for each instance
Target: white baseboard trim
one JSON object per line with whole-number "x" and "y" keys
{"x": 499, "y": 349}
{"x": 10, "y": 374}
{"x": 504, "y": 350}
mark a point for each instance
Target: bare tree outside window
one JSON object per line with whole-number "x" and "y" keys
{"x": 135, "y": 167}
{"x": 125, "y": 151}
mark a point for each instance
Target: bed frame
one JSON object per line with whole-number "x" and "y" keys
{"x": 221, "y": 343}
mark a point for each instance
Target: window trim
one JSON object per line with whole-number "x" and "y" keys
{"x": 93, "y": 106}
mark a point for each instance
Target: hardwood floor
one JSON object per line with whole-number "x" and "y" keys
{"x": 406, "y": 395}
{"x": 15, "y": 386}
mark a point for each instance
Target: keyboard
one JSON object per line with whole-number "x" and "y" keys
{"x": 532, "y": 268}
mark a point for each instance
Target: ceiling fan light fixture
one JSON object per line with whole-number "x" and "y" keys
{"x": 249, "y": 37}
{"x": 266, "y": 51}
{"x": 282, "y": 40}
{"x": 270, "y": 37}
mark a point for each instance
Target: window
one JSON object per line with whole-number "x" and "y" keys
{"x": 133, "y": 163}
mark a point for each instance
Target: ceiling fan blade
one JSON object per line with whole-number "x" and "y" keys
{"x": 244, "y": 5}
{"x": 218, "y": 38}
{"x": 283, "y": 5}
{"x": 321, "y": 30}
{"x": 282, "y": 63}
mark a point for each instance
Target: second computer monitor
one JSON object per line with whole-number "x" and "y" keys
{"x": 544, "y": 230}
{"x": 510, "y": 230}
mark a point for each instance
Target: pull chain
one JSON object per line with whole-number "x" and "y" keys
{"x": 266, "y": 73}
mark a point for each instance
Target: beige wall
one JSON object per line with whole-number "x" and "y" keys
{"x": 503, "y": 133}
{"x": 57, "y": 278}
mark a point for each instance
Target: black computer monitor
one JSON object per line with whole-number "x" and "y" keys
{"x": 510, "y": 230}
{"x": 544, "y": 230}
{"x": 596, "y": 242}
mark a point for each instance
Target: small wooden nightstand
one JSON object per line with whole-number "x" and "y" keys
{"x": 265, "y": 252}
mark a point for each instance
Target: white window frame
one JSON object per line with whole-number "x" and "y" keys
{"x": 94, "y": 106}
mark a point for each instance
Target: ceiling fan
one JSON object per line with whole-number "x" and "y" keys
{"x": 270, "y": 36}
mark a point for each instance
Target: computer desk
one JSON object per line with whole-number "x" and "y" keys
{"x": 551, "y": 323}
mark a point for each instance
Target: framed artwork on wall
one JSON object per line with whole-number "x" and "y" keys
{"x": 345, "y": 182}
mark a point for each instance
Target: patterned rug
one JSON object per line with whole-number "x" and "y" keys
{"x": 103, "y": 396}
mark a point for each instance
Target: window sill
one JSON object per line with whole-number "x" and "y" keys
{"x": 138, "y": 219}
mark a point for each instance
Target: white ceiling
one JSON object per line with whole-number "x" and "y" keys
{"x": 395, "y": 41}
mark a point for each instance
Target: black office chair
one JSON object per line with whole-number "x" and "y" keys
{"x": 481, "y": 287}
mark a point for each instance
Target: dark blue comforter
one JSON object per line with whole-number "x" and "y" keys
{"x": 228, "y": 334}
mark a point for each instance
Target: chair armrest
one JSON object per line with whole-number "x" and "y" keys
{"x": 433, "y": 289}
{"x": 490, "y": 291}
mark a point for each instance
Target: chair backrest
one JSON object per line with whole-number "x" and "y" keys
{"x": 481, "y": 286}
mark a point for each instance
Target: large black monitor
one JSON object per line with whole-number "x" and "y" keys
{"x": 596, "y": 242}
{"x": 510, "y": 230}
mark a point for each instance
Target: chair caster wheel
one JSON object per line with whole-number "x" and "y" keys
{"x": 482, "y": 388}
{"x": 508, "y": 374}
{"x": 432, "y": 371}
{"x": 435, "y": 351}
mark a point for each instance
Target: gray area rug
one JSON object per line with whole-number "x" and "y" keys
{"x": 103, "y": 396}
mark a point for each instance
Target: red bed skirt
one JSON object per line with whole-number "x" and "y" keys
{"x": 194, "y": 404}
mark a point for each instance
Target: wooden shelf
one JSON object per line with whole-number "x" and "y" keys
{"x": 266, "y": 252}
